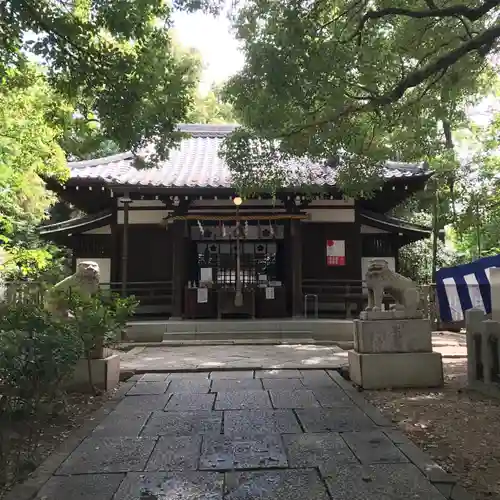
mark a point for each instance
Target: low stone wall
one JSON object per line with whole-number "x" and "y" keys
{"x": 483, "y": 352}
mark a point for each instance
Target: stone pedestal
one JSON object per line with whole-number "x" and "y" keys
{"x": 105, "y": 374}
{"x": 394, "y": 352}
{"x": 396, "y": 370}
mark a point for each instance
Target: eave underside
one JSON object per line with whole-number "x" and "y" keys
{"x": 407, "y": 231}
{"x": 61, "y": 231}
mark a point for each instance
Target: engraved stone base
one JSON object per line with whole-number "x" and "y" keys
{"x": 396, "y": 371}
{"x": 388, "y": 315}
{"x": 393, "y": 335}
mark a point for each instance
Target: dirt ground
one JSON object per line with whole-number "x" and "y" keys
{"x": 458, "y": 428}
{"x": 55, "y": 429}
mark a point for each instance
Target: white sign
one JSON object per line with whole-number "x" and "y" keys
{"x": 206, "y": 274}
{"x": 202, "y": 296}
{"x": 270, "y": 293}
{"x": 335, "y": 252}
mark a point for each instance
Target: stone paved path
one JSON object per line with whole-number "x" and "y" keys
{"x": 206, "y": 357}
{"x": 244, "y": 435}
{"x": 234, "y": 357}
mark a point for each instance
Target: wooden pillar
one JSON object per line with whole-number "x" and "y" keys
{"x": 115, "y": 248}
{"x": 296, "y": 265}
{"x": 126, "y": 202}
{"x": 179, "y": 261}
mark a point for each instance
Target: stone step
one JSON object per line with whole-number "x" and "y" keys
{"x": 237, "y": 335}
{"x": 202, "y": 342}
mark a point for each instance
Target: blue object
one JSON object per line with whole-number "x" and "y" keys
{"x": 463, "y": 287}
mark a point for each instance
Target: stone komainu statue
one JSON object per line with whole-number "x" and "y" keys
{"x": 379, "y": 279}
{"x": 84, "y": 281}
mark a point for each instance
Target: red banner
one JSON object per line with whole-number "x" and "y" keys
{"x": 335, "y": 252}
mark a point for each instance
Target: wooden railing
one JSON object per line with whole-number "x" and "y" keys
{"x": 352, "y": 294}
{"x": 347, "y": 297}
{"x": 155, "y": 297}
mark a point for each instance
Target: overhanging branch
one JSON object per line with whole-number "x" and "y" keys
{"x": 486, "y": 39}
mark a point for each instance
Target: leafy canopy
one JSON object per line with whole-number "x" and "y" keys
{"x": 113, "y": 60}
{"x": 369, "y": 80}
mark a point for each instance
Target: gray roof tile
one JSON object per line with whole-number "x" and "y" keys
{"x": 196, "y": 163}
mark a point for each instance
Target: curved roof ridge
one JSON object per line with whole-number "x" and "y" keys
{"x": 101, "y": 161}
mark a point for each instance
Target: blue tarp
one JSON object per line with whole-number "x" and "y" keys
{"x": 460, "y": 288}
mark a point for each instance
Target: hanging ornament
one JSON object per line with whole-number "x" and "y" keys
{"x": 200, "y": 226}
{"x": 246, "y": 228}
{"x": 223, "y": 230}
{"x": 271, "y": 229}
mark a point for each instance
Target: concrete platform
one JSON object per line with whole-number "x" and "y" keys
{"x": 330, "y": 330}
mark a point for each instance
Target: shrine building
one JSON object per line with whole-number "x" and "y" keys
{"x": 178, "y": 236}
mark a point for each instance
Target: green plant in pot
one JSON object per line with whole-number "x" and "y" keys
{"x": 98, "y": 321}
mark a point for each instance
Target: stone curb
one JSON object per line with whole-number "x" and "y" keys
{"x": 444, "y": 482}
{"x": 142, "y": 371}
{"x": 29, "y": 488}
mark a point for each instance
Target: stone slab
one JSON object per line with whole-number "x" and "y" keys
{"x": 372, "y": 447}
{"x": 85, "y": 487}
{"x": 393, "y": 335}
{"x": 275, "y": 485}
{"x": 139, "y": 404}
{"x": 244, "y": 384}
{"x": 98, "y": 454}
{"x": 122, "y": 424}
{"x": 190, "y": 401}
{"x": 179, "y": 485}
{"x": 311, "y": 450}
{"x": 282, "y": 384}
{"x": 231, "y": 374}
{"x": 398, "y": 370}
{"x": 242, "y": 400}
{"x": 378, "y": 482}
{"x": 146, "y": 388}
{"x": 175, "y": 453}
{"x": 317, "y": 379}
{"x": 331, "y": 397}
{"x": 240, "y": 357}
{"x": 188, "y": 375}
{"x": 256, "y": 422}
{"x": 303, "y": 398}
{"x": 184, "y": 423}
{"x": 230, "y": 453}
{"x": 197, "y": 386}
{"x": 277, "y": 373}
{"x": 340, "y": 419}
{"x": 153, "y": 377}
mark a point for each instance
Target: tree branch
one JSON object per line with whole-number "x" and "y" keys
{"x": 413, "y": 79}
{"x": 471, "y": 13}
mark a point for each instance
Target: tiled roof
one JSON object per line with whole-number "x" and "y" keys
{"x": 196, "y": 163}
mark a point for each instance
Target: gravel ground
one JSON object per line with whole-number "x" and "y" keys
{"x": 458, "y": 428}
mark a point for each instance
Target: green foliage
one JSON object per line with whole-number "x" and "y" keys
{"x": 37, "y": 353}
{"x": 415, "y": 260}
{"x": 113, "y": 60}
{"x": 99, "y": 320}
{"x": 28, "y": 148}
{"x": 356, "y": 79}
{"x": 45, "y": 262}
{"x": 211, "y": 108}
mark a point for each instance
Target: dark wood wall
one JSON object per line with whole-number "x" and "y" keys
{"x": 149, "y": 253}
{"x": 314, "y": 236}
